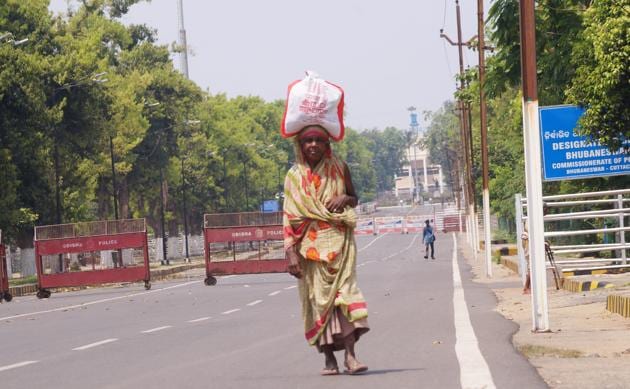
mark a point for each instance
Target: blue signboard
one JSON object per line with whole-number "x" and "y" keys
{"x": 270, "y": 206}
{"x": 567, "y": 155}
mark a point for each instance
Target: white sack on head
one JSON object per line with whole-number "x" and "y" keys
{"x": 313, "y": 101}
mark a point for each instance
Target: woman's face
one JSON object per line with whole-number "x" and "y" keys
{"x": 313, "y": 146}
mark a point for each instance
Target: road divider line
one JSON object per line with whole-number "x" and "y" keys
{"x": 254, "y": 303}
{"x": 200, "y": 319}
{"x": 231, "y": 311}
{"x": 16, "y": 365}
{"x": 372, "y": 242}
{"x": 473, "y": 369}
{"x": 156, "y": 329}
{"x": 95, "y": 344}
{"x": 274, "y": 293}
{"x": 290, "y": 287}
{"x": 68, "y": 307}
{"x": 403, "y": 250}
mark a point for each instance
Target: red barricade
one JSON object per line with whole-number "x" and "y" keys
{"x": 4, "y": 274}
{"x": 243, "y": 243}
{"x": 453, "y": 223}
{"x": 389, "y": 224}
{"x": 365, "y": 227}
{"x": 84, "y": 240}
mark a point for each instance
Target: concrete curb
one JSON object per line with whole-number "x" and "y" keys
{"x": 510, "y": 264}
{"x": 618, "y": 304}
{"x": 584, "y": 286}
{"x": 585, "y": 272}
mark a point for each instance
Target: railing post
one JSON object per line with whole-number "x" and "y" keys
{"x": 522, "y": 265}
{"x": 622, "y": 234}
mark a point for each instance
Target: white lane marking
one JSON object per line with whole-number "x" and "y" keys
{"x": 373, "y": 240}
{"x": 95, "y": 344}
{"x": 230, "y": 311}
{"x": 68, "y": 307}
{"x": 473, "y": 369}
{"x": 274, "y": 293}
{"x": 200, "y": 319}
{"x": 290, "y": 287}
{"x": 230, "y": 276}
{"x": 156, "y": 329}
{"x": 254, "y": 303}
{"x": 16, "y": 365}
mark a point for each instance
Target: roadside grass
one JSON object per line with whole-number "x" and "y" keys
{"x": 23, "y": 281}
{"x": 536, "y": 351}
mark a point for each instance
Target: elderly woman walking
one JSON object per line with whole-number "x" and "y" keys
{"x": 319, "y": 222}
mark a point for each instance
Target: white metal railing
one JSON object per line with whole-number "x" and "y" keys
{"x": 614, "y": 204}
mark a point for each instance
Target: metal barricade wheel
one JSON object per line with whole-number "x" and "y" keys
{"x": 147, "y": 285}
{"x": 7, "y": 296}
{"x": 43, "y": 293}
{"x": 210, "y": 281}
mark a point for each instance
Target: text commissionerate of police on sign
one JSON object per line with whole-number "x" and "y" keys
{"x": 567, "y": 155}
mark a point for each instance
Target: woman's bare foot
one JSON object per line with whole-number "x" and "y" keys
{"x": 353, "y": 366}
{"x": 331, "y": 367}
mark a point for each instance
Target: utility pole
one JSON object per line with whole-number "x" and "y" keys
{"x": 484, "y": 137}
{"x": 183, "y": 58}
{"x": 185, "y": 212}
{"x": 165, "y": 260}
{"x": 184, "y": 66}
{"x": 533, "y": 167}
{"x": 465, "y": 132}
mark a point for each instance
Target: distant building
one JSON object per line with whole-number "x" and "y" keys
{"x": 417, "y": 178}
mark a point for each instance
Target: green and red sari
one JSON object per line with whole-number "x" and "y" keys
{"x": 328, "y": 251}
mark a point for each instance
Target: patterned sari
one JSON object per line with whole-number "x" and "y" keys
{"x": 325, "y": 241}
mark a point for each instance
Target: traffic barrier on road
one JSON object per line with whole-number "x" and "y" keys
{"x": 365, "y": 227}
{"x": 243, "y": 243}
{"x": 388, "y": 224}
{"x": 415, "y": 223}
{"x": 90, "y": 253}
{"x": 4, "y": 274}
{"x": 453, "y": 223}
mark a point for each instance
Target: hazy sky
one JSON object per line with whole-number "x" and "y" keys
{"x": 386, "y": 55}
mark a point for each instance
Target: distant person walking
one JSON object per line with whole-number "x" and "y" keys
{"x": 428, "y": 237}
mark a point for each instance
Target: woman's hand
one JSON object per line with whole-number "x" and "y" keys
{"x": 294, "y": 267}
{"x": 338, "y": 203}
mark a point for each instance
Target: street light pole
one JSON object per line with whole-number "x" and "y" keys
{"x": 165, "y": 260}
{"x": 185, "y": 212}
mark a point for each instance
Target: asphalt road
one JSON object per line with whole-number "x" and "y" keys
{"x": 427, "y": 331}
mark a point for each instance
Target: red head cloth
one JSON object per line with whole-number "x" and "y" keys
{"x": 314, "y": 132}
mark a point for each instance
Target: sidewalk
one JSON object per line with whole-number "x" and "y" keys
{"x": 588, "y": 346}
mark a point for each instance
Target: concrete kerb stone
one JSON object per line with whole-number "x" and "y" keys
{"x": 618, "y": 303}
